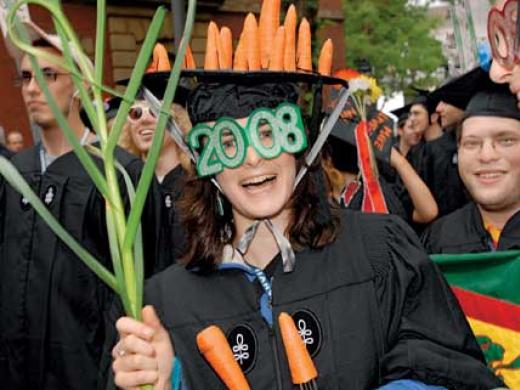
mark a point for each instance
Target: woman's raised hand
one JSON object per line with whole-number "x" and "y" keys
{"x": 144, "y": 353}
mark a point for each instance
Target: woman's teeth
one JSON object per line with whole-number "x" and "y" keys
{"x": 257, "y": 181}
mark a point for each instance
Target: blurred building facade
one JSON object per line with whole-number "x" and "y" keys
{"x": 463, "y": 29}
{"x": 126, "y": 29}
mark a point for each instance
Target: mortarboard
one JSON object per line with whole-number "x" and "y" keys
{"x": 459, "y": 91}
{"x": 494, "y": 101}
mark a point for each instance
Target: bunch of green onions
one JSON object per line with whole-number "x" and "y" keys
{"x": 124, "y": 231}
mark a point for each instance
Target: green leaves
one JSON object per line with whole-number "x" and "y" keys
{"x": 395, "y": 38}
{"x": 125, "y": 238}
{"x": 13, "y": 177}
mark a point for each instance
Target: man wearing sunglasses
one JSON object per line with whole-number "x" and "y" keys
{"x": 52, "y": 306}
{"x": 503, "y": 35}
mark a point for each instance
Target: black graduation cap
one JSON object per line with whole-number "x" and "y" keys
{"x": 156, "y": 83}
{"x": 381, "y": 129}
{"x": 402, "y": 112}
{"x": 110, "y": 106}
{"x": 496, "y": 101}
{"x": 423, "y": 98}
{"x": 343, "y": 154}
{"x": 426, "y": 101}
{"x": 460, "y": 90}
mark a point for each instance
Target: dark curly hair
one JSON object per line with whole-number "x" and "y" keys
{"x": 207, "y": 232}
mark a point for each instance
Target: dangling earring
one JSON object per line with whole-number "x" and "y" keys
{"x": 225, "y": 233}
{"x": 220, "y": 205}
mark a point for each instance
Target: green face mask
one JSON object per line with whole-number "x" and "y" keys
{"x": 270, "y": 132}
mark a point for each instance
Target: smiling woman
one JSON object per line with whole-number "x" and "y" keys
{"x": 256, "y": 187}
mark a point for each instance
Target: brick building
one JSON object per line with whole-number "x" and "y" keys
{"x": 126, "y": 28}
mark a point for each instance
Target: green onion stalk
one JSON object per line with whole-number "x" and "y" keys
{"x": 124, "y": 231}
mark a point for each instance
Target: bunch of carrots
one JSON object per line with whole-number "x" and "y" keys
{"x": 264, "y": 45}
{"x": 213, "y": 345}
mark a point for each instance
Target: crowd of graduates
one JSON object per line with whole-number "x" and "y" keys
{"x": 243, "y": 245}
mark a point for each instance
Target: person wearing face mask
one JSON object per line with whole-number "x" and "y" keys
{"x": 359, "y": 286}
{"x": 52, "y": 305}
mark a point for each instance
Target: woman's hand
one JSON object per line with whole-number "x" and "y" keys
{"x": 144, "y": 353}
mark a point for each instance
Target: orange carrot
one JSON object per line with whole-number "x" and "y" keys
{"x": 214, "y": 346}
{"x": 267, "y": 27}
{"x": 211, "y": 59}
{"x": 189, "y": 60}
{"x": 289, "y": 62}
{"x": 325, "y": 61}
{"x": 225, "y": 53}
{"x": 240, "y": 60}
{"x": 303, "y": 53}
{"x": 276, "y": 60}
{"x": 253, "y": 46}
{"x": 160, "y": 61}
{"x": 300, "y": 363}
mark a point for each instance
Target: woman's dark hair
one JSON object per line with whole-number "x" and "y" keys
{"x": 207, "y": 232}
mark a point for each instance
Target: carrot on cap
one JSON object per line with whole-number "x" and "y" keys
{"x": 211, "y": 59}
{"x": 160, "y": 61}
{"x": 225, "y": 48}
{"x": 277, "y": 54}
{"x": 212, "y": 343}
{"x": 289, "y": 62}
{"x": 252, "y": 47}
{"x": 300, "y": 363}
{"x": 303, "y": 53}
{"x": 325, "y": 61}
{"x": 240, "y": 60}
{"x": 267, "y": 28}
{"x": 189, "y": 61}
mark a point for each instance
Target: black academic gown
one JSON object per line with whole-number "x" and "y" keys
{"x": 52, "y": 306}
{"x": 436, "y": 163}
{"x": 463, "y": 232}
{"x": 174, "y": 236}
{"x": 371, "y": 306}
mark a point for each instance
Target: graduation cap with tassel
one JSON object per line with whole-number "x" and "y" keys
{"x": 370, "y": 131}
{"x": 267, "y": 63}
{"x": 270, "y": 68}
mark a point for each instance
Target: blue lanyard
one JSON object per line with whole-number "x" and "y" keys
{"x": 264, "y": 282}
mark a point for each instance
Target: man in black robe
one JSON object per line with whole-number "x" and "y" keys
{"x": 52, "y": 305}
{"x": 489, "y": 165}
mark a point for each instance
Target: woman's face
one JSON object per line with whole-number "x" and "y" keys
{"x": 142, "y": 126}
{"x": 259, "y": 188}
{"x": 411, "y": 134}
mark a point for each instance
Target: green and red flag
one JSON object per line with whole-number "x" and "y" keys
{"x": 487, "y": 286}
